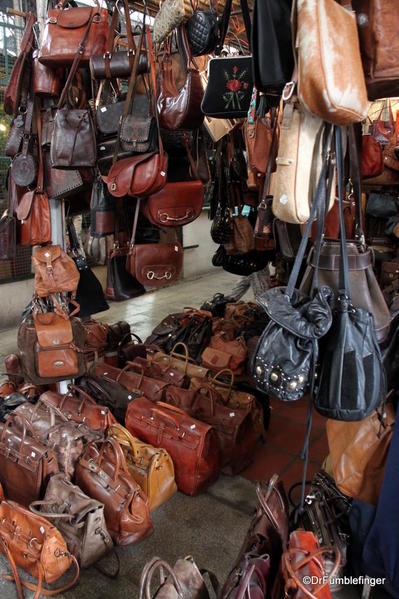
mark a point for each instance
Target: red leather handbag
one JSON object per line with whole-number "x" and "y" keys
{"x": 372, "y": 160}
{"x": 178, "y": 203}
{"x": 64, "y": 30}
{"x": 193, "y": 445}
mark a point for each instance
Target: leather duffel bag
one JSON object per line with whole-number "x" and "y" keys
{"x": 79, "y": 519}
{"x": 161, "y": 372}
{"x": 109, "y": 393}
{"x": 103, "y": 475}
{"x": 193, "y": 445}
{"x": 183, "y": 363}
{"x": 26, "y": 464}
{"x": 131, "y": 378}
{"x": 151, "y": 467}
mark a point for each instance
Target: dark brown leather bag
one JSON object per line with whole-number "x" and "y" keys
{"x": 64, "y": 31}
{"x": 8, "y": 229}
{"x": 177, "y": 204}
{"x": 55, "y": 271}
{"x": 235, "y": 349}
{"x": 193, "y": 445}
{"x": 30, "y": 542}
{"x": 33, "y": 212}
{"x": 104, "y": 476}
{"x": 26, "y": 464}
{"x": 378, "y": 22}
{"x": 180, "y": 109}
{"x": 19, "y": 75}
{"x": 45, "y": 80}
{"x": 79, "y": 519}
{"x": 132, "y": 378}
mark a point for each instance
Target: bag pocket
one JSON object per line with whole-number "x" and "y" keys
{"x": 56, "y": 363}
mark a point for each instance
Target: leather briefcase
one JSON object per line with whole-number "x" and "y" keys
{"x": 177, "y": 204}
{"x": 103, "y": 475}
{"x": 152, "y": 468}
{"x": 26, "y": 464}
{"x": 30, "y": 542}
{"x": 79, "y": 519}
{"x": 193, "y": 445}
{"x": 64, "y": 31}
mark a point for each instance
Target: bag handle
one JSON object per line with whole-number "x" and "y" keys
{"x": 123, "y": 437}
{"x": 225, "y": 20}
{"x": 77, "y": 390}
{"x": 118, "y": 453}
{"x": 292, "y": 569}
{"x": 169, "y": 407}
{"x": 148, "y": 573}
{"x": 33, "y": 507}
{"x": 215, "y": 378}
{"x": 25, "y": 425}
{"x": 209, "y": 393}
{"x": 355, "y": 180}
{"x": 126, "y": 370}
{"x": 263, "y": 498}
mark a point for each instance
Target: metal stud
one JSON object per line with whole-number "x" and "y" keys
{"x": 293, "y": 385}
{"x": 274, "y": 377}
{"x": 259, "y": 370}
{"x": 301, "y": 378}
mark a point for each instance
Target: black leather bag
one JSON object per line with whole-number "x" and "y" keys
{"x": 352, "y": 379}
{"x": 285, "y": 360}
{"x": 273, "y": 58}
{"x": 24, "y": 165}
{"x": 203, "y": 31}
{"x": 120, "y": 283}
{"x": 222, "y": 225}
{"x": 102, "y": 210}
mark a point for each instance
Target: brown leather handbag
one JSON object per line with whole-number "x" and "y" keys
{"x": 103, "y": 475}
{"x": 180, "y": 109}
{"x": 377, "y": 24}
{"x": 78, "y": 406}
{"x": 54, "y": 271}
{"x": 64, "y": 31}
{"x": 224, "y": 353}
{"x": 20, "y": 72}
{"x": 151, "y": 467}
{"x": 178, "y": 203}
{"x": 79, "y": 519}
{"x": 161, "y": 372}
{"x": 30, "y": 542}
{"x": 183, "y": 363}
{"x": 233, "y": 427}
{"x": 193, "y": 445}
{"x": 26, "y": 464}
{"x": 358, "y": 453}
{"x": 45, "y": 80}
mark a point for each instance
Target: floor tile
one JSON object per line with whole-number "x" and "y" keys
{"x": 319, "y": 450}
{"x": 267, "y": 461}
{"x": 288, "y": 435}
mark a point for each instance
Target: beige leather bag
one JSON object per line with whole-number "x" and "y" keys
{"x": 299, "y": 163}
{"x": 331, "y": 81}
{"x": 151, "y": 468}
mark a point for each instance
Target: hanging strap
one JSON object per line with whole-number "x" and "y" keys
{"x": 40, "y": 173}
{"x": 190, "y": 157}
{"x": 270, "y": 160}
{"x": 354, "y": 171}
{"x": 134, "y": 229}
{"x": 225, "y": 21}
{"x": 343, "y": 281}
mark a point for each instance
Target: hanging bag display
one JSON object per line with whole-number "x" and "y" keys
{"x": 20, "y": 74}
{"x": 203, "y": 30}
{"x": 23, "y": 168}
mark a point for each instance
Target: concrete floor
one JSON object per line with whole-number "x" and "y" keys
{"x": 210, "y": 527}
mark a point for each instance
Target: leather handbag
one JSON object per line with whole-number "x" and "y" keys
{"x": 358, "y": 453}
{"x": 153, "y": 264}
{"x": 21, "y": 70}
{"x": 45, "y": 80}
{"x": 162, "y": 372}
{"x": 185, "y": 579}
{"x": 256, "y": 569}
{"x": 79, "y": 519}
{"x": 372, "y": 159}
{"x": 102, "y": 210}
{"x": 352, "y": 391}
{"x": 192, "y": 445}
{"x": 103, "y": 475}
{"x": 152, "y": 468}
{"x": 235, "y": 348}
{"x": 180, "y": 109}
{"x": 120, "y": 284}
{"x": 132, "y": 378}
{"x": 203, "y": 31}
{"x": 31, "y": 543}
{"x": 183, "y": 363}
{"x": 55, "y": 271}
{"x": 326, "y": 71}
{"x": 61, "y": 183}
{"x": 23, "y": 168}
{"x": 193, "y": 335}
{"x": 261, "y": 132}
{"x": 304, "y": 569}
{"x": 389, "y": 156}
{"x": 80, "y": 407}
{"x": 110, "y": 394}
{"x": 243, "y": 240}
{"x": 178, "y": 203}
{"x": 377, "y": 21}
{"x": 26, "y": 464}
{"x": 65, "y": 29}
{"x": 51, "y": 347}
{"x": 234, "y": 428}
{"x": 130, "y": 348}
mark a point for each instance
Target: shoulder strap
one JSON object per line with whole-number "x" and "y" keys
{"x": 225, "y": 21}
{"x": 354, "y": 171}
{"x": 343, "y": 282}
{"x": 40, "y": 174}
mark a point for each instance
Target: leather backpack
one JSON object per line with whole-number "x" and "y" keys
{"x": 55, "y": 271}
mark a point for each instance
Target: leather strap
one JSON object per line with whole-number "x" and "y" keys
{"x": 134, "y": 230}
{"x": 270, "y": 159}
{"x": 27, "y": 126}
{"x": 40, "y": 173}
{"x": 357, "y": 185}
{"x": 343, "y": 282}
{"x": 225, "y": 21}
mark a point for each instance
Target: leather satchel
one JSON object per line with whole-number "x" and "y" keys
{"x": 152, "y": 468}
{"x": 130, "y": 348}
{"x": 183, "y": 363}
{"x": 23, "y": 168}
{"x": 180, "y": 109}
{"x": 236, "y": 349}
{"x": 193, "y": 445}
{"x": 358, "y": 453}
{"x": 31, "y": 543}
{"x": 131, "y": 378}
{"x": 55, "y": 271}
{"x": 33, "y": 212}
{"x": 20, "y": 72}
{"x": 328, "y": 70}
{"x": 26, "y": 464}
{"x": 79, "y": 519}
{"x": 178, "y": 203}
{"x": 64, "y": 31}
{"x": 103, "y": 475}
{"x": 46, "y": 81}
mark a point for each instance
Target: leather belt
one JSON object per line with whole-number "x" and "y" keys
{"x": 355, "y": 261}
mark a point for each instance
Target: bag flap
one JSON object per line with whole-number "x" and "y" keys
{"x": 25, "y": 205}
{"x": 214, "y": 358}
{"x": 70, "y": 18}
{"x": 47, "y": 254}
{"x": 52, "y": 330}
{"x": 136, "y": 129}
{"x": 107, "y": 117}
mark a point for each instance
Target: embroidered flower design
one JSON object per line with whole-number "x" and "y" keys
{"x": 235, "y": 84}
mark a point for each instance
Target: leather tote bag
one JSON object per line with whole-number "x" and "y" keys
{"x": 55, "y": 271}
{"x": 352, "y": 380}
{"x": 120, "y": 283}
{"x": 64, "y": 30}
{"x": 192, "y": 445}
{"x": 377, "y": 23}
{"x": 331, "y": 82}
{"x": 26, "y": 464}
{"x": 103, "y": 475}
{"x": 151, "y": 467}
{"x": 358, "y": 453}
{"x": 79, "y": 519}
{"x": 31, "y": 543}
{"x": 180, "y": 109}
{"x": 102, "y": 210}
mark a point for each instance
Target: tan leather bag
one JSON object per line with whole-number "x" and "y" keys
{"x": 358, "y": 453}
{"x": 183, "y": 363}
{"x": 30, "y": 542}
{"x": 331, "y": 81}
{"x": 54, "y": 270}
{"x": 151, "y": 467}
{"x": 79, "y": 519}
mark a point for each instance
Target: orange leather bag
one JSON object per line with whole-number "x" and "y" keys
{"x": 54, "y": 270}
{"x": 30, "y": 542}
{"x": 223, "y": 352}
